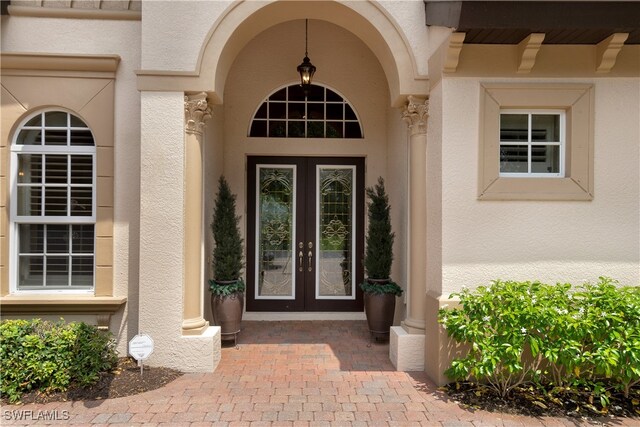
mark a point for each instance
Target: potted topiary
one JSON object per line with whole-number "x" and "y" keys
{"x": 380, "y": 291}
{"x": 227, "y": 287}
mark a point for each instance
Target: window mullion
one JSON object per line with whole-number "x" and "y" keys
{"x": 69, "y": 257}
{"x": 286, "y": 114}
{"x": 43, "y": 184}
{"x": 44, "y": 255}
{"x": 42, "y": 129}
{"x": 68, "y": 184}
{"x": 529, "y": 143}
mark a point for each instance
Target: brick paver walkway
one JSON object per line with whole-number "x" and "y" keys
{"x": 306, "y": 373}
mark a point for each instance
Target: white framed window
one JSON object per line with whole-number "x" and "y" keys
{"x": 575, "y": 103}
{"x": 532, "y": 143}
{"x": 53, "y": 204}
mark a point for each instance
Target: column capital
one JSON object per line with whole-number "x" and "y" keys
{"x": 415, "y": 114}
{"x": 196, "y": 111}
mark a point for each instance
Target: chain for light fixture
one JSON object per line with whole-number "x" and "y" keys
{"x": 306, "y": 36}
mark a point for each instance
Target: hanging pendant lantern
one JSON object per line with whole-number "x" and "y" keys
{"x": 306, "y": 69}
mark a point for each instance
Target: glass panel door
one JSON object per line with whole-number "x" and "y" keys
{"x": 305, "y": 233}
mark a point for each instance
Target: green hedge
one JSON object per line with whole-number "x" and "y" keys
{"x": 559, "y": 335}
{"x": 48, "y": 356}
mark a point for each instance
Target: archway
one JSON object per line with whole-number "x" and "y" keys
{"x": 363, "y": 23}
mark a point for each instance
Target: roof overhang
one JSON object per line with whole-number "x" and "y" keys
{"x": 563, "y": 22}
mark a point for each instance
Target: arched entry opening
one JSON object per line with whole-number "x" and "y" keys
{"x": 286, "y": 136}
{"x": 253, "y": 49}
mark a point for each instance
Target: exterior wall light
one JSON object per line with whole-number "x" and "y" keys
{"x": 306, "y": 69}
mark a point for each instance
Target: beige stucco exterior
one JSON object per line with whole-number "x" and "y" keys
{"x": 423, "y": 98}
{"x": 572, "y": 241}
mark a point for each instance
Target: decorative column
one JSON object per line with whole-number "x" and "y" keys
{"x": 196, "y": 111}
{"x": 407, "y": 342}
{"x": 415, "y": 115}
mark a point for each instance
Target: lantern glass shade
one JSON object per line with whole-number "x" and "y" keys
{"x": 306, "y": 70}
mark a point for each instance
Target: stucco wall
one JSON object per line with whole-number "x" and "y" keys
{"x": 537, "y": 240}
{"x": 409, "y": 16}
{"x": 173, "y": 32}
{"x": 50, "y": 35}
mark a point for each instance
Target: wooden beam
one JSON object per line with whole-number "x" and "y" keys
{"x": 607, "y": 51}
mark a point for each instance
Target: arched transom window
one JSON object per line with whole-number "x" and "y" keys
{"x": 323, "y": 113}
{"x": 54, "y": 205}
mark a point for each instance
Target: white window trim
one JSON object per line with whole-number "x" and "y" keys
{"x": 562, "y": 143}
{"x": 15, "y": 220}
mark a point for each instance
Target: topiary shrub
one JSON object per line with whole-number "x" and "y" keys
{"x": 378, "y": 256}
{"x": 379, "y": 253}
{"x": 46, "y": 356}
{"x": 228, "y": 249}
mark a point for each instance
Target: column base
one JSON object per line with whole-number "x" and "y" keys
{"x": 406, "y": 350}
{"x": 413, "y": 326}
{"x": 195, "y": 326}
{"x": 195, "y": 353}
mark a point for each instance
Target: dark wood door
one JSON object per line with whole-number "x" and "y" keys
{"x": 305, "y": 233}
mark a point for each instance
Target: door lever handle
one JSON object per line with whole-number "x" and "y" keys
{"x": 310, "y": 255}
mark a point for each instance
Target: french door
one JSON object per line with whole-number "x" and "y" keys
{"x": 305, "y": 233}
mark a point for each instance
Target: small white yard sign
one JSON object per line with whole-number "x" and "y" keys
{"x": 140, "y": 348}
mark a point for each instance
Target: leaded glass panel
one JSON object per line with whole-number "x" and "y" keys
{"x": 275, "y": 219}
{"x": 335, "y": 232}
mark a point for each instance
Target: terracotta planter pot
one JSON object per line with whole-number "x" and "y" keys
{"x": 227, "y": 313}
{"x": 380, "y": 309}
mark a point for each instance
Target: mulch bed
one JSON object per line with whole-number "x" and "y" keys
{"x": 528, "y": 400}
{"x": 124, "y": 380}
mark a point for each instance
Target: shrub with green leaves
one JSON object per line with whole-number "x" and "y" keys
{"x": 46, "y": 356}
{"x": 556, "y": 335}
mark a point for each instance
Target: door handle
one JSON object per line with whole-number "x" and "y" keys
{"x": 300, "y": 255}
{"x": 310, "y": 255}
